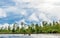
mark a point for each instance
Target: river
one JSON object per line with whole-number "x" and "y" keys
{"x": 32, "y": 36}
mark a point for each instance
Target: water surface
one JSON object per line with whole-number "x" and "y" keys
{"x": 32, "y": 36}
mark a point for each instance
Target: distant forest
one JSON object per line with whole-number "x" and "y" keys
{"x": 46, "y": 27}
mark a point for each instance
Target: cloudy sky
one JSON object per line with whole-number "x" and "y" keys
{"x": 29, "y": 11}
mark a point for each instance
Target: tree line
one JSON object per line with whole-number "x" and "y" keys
{"x": 46, "y": 27}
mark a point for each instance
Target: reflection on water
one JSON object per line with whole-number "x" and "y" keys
{"x": 16, "y": 37}
{"x": 32, "y": 36}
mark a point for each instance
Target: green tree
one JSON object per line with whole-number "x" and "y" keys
{"x": 14, "y": 28}
{"x": 44, "y": 23}
{"x": 18, "y": 29}
{"x": 9, "y": 28}
{"x": 37, "y": 28}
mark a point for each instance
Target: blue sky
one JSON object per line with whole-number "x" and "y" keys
{"x": 29, "y": 11}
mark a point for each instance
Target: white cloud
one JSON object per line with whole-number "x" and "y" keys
{"x": 43, "y": 7}
{"x": 33, "y": 17}
{"x": 16, "y": 10}
{"x": 23, "y": 12}
{"x": 23, "y": 20}
{"x": 11, "y": 8}
{"x": 5, "y": 25}
{"x": 50, "y": 7}
{"x": 44, "y": 17}
{"x": 2, "y": 13}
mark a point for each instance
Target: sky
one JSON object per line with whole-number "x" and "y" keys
{"x": 29, "y": 11}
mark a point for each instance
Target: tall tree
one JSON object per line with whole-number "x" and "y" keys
{"x": 14, "y": 27}
{"x": 9, "y": 28}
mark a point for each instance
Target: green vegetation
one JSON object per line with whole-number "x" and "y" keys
{"x": 32, "y": 29}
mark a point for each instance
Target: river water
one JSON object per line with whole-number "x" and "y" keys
{"x": 32, "y": 36}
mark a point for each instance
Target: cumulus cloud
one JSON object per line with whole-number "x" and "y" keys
{"x": 30, "y": 10}
{"x": 50, "y": 7}
{"x": 2, "y": 13}
{"x": 33, "y": 17}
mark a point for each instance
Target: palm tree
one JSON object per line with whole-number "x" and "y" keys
{"x": 23, "y": 27}
{"x": 22, "y": 24}
{"x": 9, "y": 28}
{"x": 17, "y": 29}
{"x": 36, "y": 28}
{"x": 29, "y": 30}
{"x": 32, "y": 27}
{"x": 44, "y": 23}
{"x": 14, "y": 28}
